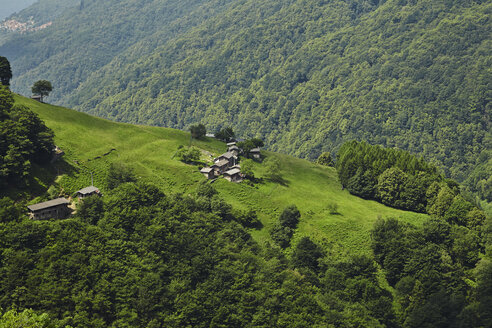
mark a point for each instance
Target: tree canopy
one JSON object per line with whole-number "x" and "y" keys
{"x": 5, "y": 71}
{"x": 42, "y": 88}
{"x": 198, "y": 131}
{"x": 24, "y": 140}
{"x": 226, "y": 134}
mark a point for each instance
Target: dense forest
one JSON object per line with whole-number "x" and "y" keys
{"x": 305, "y": 76}
{"x": 139, "y": 257}
{"x": 86, "y": 35}
{"x": 24, "y": 142}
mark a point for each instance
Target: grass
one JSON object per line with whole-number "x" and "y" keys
{"x": 314, "y": 189}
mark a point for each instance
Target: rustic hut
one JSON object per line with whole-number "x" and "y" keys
{"x": 208, "y": 172}
{"x": 230, "y": 157}
{"x": 255, "y": 153}
{"x": 221, "y": 166}
{"x": 234, "y": 150}
{"x": 52, "y": 209}
{"x": 88, "y": 191}
{"x": 233, "y": 175}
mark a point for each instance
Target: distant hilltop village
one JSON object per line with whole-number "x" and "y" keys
{"x": 14, "y": 25}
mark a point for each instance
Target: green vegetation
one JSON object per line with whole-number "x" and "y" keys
{"x": 325, "y": 159}
{"x": 119, "y": 173}
{"x": 11, "y": 7}
{"x": 249, "y": 144}
{"x": 125, "y": 29}
{"x": 200, "y": 255}
{"x": 5, "y": 71}
{"x": 431, "y": 270}
{"x": 305, "y": 75}
{"x": 284, "y": 229}
{"x": 150, "y": 154}
{"x": 42, "y": 88}
{"x": 392, "y": 176}
{"x": 24, "y": 141}
{"x": 155, "y": 260}
{"x": 225, "y": 134}
{"x": 26, "y": 319}
{"x": 198, "y": 131}
{"x": 188, "y": 155}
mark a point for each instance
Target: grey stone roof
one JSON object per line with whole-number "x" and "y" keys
{"x": 233, "y": 147}
{"x": 48, "y": 204}
{"x": 222, "y": 162}
{"x": 88, "y": 190}
{"x": 229, "y": 144}
{"x": 255, "y": 150}
{"x": 232, "y": 172}
{"x": 227, "y": 155}
{"x": 206, "y": 170}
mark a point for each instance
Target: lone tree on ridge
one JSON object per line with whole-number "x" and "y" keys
{"x": 42, "y": 88}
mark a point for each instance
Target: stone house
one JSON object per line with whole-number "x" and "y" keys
{"x": 233, "y": 175}
{"x": 221, "y": 166}
{"x": 52, "y": 209}
{"x": 88, "y": 191}
{"x": 255, "y": 153}
{"x": 234, "y": 150}
{"x": 230, "y": 157}
{"x": 208, "y": 172}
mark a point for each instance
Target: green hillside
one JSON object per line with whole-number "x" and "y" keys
{"x": 303, "y": 75}
{"x": 149, "y": 151}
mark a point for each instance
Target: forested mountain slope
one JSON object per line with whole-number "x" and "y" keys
{"x": 87, "y": 36}
{"x": 305, "y": 75}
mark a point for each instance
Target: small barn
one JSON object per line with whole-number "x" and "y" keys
{"x": 227, "y": 156}
{"x": 221, "y": 166}
{"x": 232, "y": 143}
{"x": 255, "y": 153}
{"x": 37, "y": 98}
{"x": 208, "y": 172}
{"x": 88, "y": 191}
{"x": 234, "y": 150}
{"x": 233, "y": 175}
{"x": 52, "y": 209}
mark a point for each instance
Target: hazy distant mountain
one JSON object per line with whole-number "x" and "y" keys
{"x": 8, "y": 7}
{"x": 304, "y": 75}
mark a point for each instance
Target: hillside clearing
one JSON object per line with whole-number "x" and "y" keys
{"x": 150, "y": 150}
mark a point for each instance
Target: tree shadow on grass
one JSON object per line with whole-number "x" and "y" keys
{"x": 279, "y": 180}
{"x": 40, "y": 178}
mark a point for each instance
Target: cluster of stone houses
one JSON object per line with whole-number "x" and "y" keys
{"x": 227, "y": 164}
{"x": 58, "y": 208}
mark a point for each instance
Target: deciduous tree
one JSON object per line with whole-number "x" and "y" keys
{"x": 5, "y": 71}
{"x": 198, "y": 131}
{"x": 42, "y": 88}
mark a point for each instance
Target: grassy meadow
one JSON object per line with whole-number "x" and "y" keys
{"x": 150, "y": 151}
